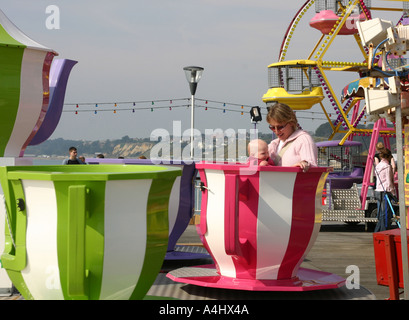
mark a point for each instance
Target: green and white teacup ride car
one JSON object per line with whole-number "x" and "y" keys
{"x": 85, "y": 232}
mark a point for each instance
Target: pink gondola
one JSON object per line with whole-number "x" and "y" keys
{"x": 325, "y": 20}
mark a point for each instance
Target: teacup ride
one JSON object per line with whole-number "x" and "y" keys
{"x": 258, "y": 224}
{"x": 85, "y": 232}
{"x": 25, "y": 85}
{"x": 32, "y": 87}
{"x": 181, "y": 203}
{"x": 24, "y": 88}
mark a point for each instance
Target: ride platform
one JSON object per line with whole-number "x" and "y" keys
{"x": 354, "y": 246}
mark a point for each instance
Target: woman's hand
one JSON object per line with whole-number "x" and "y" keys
{"x": 304, "y": 165}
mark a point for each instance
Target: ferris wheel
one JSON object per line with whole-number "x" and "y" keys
{"x": 303, "y": 83}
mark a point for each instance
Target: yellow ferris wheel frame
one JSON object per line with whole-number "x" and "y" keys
{"x": 316, "y": 57}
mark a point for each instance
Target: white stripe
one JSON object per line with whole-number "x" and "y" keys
{"x": 41, "y": 274}
{"x": 215, "y": 221}
{"x": 274, "y": 221}
{"x": 125, "y": 236}
{"x": 31, "y": 100}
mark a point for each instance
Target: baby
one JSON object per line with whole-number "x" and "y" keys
{"x": 258, "y": 153}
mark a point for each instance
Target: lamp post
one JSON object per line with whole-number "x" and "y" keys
{"x": 193, "y": 76}
{"x": 255, "y": 115}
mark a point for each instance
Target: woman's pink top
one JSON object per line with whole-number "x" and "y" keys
{"x": 302, "y": 148}
{"x": 384, "y": 177}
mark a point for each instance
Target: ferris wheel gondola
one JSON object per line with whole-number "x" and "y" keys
{"x": 294, "y": 83}
{"x": 324, "y": 21}
{"x": 328, "y": 13}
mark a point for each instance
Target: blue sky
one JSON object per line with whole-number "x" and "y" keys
{"x": 135, "y": 50}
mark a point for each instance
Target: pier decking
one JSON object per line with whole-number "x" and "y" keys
{"x": 337, "y": 247}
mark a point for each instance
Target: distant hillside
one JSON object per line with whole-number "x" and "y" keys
{"x": 134, "y": 147}
{"x": 125, "y": 147}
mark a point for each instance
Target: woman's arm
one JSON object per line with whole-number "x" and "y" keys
{"x": 393, "y": 165}
{"x": 308, "y": 153}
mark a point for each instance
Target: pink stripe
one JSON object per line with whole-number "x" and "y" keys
{"x": 231, "y": 215}
{"x": 203, "y": 207}
{"x": 302, "y": 224}
{"x": 245, "y": 259}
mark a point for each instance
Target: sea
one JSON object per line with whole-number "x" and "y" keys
{"x": 40, "y": 161}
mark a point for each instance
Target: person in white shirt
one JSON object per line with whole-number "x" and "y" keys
{"x": 385, "y": 187}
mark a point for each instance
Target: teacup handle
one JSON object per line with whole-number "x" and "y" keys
{"x": 231, "y": 215}
{"x": 15, "y": 255}
{"x": 77, "y": 210}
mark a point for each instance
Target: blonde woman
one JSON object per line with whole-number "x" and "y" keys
{"x": 380, "y": 148}
{"x": 293, "y": 146}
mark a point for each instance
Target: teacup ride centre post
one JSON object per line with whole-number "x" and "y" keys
{"x": 70, "y": 232}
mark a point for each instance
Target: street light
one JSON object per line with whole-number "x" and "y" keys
{"x": 193, "y": 76}
{"x": 255, "y": 115}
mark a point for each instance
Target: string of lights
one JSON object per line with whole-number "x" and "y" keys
{"x": 152, "y": 105}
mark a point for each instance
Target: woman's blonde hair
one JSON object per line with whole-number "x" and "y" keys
{"x": 282, "y": 113}
{"x": 379, "y": 146}
{"x": 384, "y": 153}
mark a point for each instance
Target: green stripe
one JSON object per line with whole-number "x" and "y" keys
{"x": 10, "y": 66}
{"x": 14, "y": 260}
{"x": 94, "y": 237}
{"x": 92, "y": 172}
{"x": 157, "y": 235}
{"x": 7, "y": 40}
{"x": 77, "y": 210}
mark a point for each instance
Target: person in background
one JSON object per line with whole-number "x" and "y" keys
{"x": 293, "y": 146}
{"x": 100, "y": 156}
{"x": 380, "y": 148}
{"x": 384, "y": 188}
{"x": 73, "y": 157}
{"x": 258, "y": 153}
{"x": 82, "y": 158}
